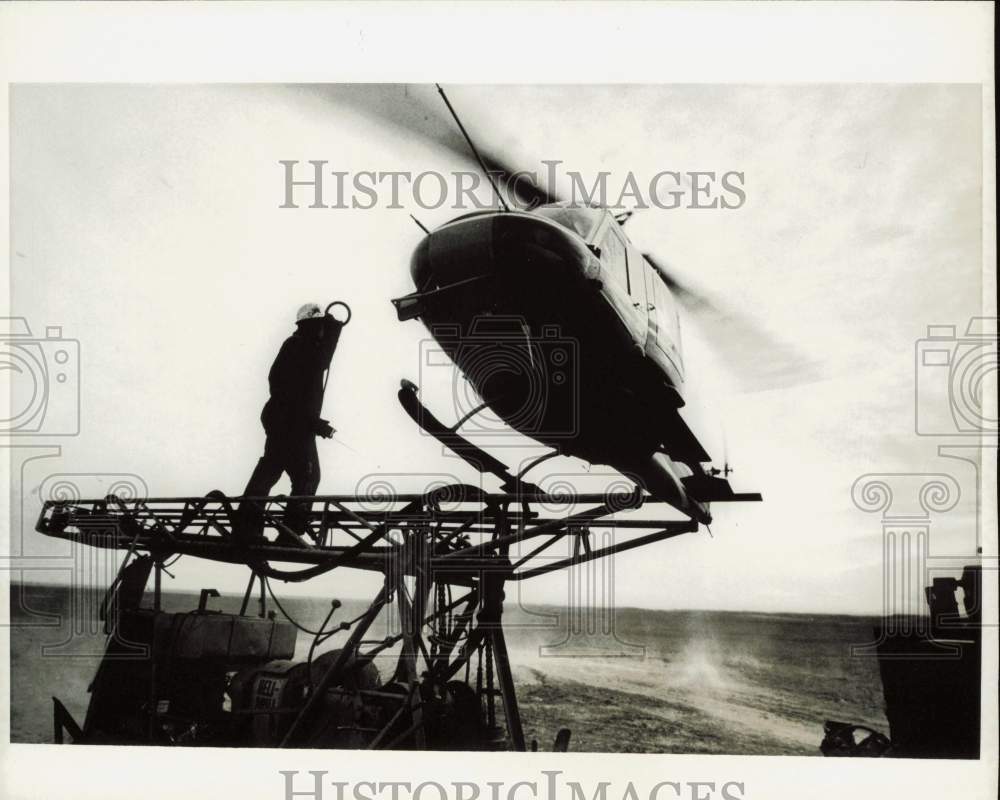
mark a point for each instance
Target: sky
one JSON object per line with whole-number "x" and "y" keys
{"x": 146, "y": 223}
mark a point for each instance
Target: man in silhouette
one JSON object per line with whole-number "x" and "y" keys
{"x": 291, "y": 419}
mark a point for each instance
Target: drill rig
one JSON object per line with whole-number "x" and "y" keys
{"x": 445, "y": 559}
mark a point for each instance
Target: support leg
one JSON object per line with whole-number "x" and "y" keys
{"x": 507, "y": 691}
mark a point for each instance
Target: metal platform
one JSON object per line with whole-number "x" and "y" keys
{"x": 461, "y": 529}
{"x": 445, "y": 557}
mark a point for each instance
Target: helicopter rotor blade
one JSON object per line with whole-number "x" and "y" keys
{"x": 693, "y": 300}
{"x": 759, "y": 360}
{"x": 417, "y": 110}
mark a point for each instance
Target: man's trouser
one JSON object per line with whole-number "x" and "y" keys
{"x": 292, "y": 453}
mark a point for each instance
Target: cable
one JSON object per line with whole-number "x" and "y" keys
{"x": 265, "y": 569}
{"x": 288, "y": 616}
{"x": 316, "y": 640}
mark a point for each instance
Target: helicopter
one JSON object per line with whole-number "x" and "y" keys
{"x": 570, "y": 335}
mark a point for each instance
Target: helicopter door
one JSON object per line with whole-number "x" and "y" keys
{"x": 664, "y": 342}
{"x": 637, "y": 285}
{"x": 624, "y": 288}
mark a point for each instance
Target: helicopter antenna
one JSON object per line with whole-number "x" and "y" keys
{"x": 419, "y": 224}
{"x": 472, "y": 147}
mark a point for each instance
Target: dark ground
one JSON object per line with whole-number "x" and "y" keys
{"x": 663, "y": 681}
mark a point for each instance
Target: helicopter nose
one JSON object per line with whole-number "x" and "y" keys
{"x": 453, "y": 253}
{"x": 511, "y": 246}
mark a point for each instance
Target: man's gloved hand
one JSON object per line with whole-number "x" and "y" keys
{"x": 324, "y": 429}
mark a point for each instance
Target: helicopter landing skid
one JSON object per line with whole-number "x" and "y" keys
{"x": 454, "y": 441}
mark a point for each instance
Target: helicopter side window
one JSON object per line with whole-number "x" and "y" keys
{"x": 667, "y": 317}
{"x": 637, "y": 287}
{"x": 613, "y": 257}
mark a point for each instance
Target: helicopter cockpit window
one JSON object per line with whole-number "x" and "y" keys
{"x": 582, "y": 221}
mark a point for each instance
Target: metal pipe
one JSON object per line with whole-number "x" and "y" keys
{"x": 507, "y": 691}
{"x": 513, "y": 497}
{"x": 606, "y": 551}
{"x": 247, "y": 593}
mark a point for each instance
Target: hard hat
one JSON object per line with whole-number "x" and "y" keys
{"x": 308, "y": 311}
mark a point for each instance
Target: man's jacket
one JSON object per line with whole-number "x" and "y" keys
{"x": 296, "y": 379}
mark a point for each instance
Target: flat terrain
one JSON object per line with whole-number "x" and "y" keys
{"x": 639, "y": 681}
